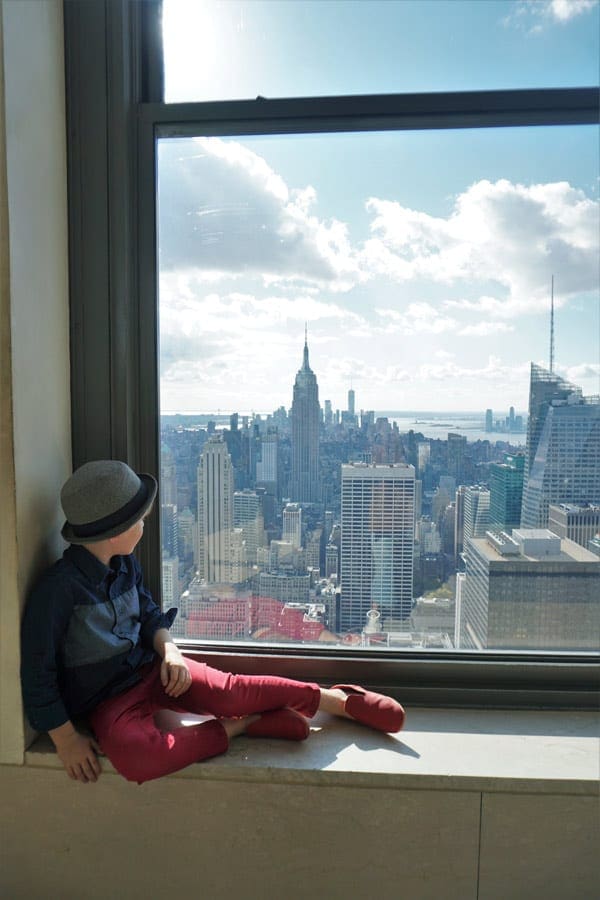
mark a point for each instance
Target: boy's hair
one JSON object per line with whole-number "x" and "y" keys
{"x": 104, "y": 498}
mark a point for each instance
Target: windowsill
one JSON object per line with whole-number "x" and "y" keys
{"x": 512, "y": 751}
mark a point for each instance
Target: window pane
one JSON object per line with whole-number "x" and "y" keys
{"x": 240, "y": 49}
{"x": 356, "y": 387}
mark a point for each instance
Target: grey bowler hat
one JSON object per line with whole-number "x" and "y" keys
{"x": 104, "y": 498}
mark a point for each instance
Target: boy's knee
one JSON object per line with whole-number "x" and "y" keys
{"x": 138, "y": 770}
{"x": 136, "y": 760}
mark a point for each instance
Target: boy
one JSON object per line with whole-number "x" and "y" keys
{"x": 95, "y": 645}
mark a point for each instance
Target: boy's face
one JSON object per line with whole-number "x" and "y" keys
{"x": 125, "y": 543}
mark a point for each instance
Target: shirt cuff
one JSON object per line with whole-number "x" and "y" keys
{"x": 149, "y": 629}
{"x": 45, "y": 719}
{"x": 170, "y": 616}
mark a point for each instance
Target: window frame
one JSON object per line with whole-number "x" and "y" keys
{"x": 114, "y": 115}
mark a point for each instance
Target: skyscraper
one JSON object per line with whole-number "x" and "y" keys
{"x": 530, "y": 591}
{"x": 266, "y": 466}
{"x": 247, "y": 515}
{"x": 506, "y": 492}
{"x": 459, "y": 520}
{"x": 562, "y": 462}
{"x": 351, "y": 401}
{"x": 168, "y": 476}
{"x": 292, "y": 525}
{"x": 378, "y": 509}
{"x": 423, "y": 456}
{"x": 170, "y": 582}
{"x": 457, "y": 445}
{"x": 331, "y": 560}
{"x": 577, "y": 522}
{"x": 215, "y": 511}
{"x": 306, "y": 416}
{"x": 169, "y": 530}
{"x": 283, "y": 586}
{"x": 186, "y": 537}
{"x": 476, "y": 512}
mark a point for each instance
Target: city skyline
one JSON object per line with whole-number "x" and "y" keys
{"x": 387, "y": 519}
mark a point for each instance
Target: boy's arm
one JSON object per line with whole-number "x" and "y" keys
{"x": 76, "y": 752}
{"x": 174, "y": 672}
{"x": 44, "y": 623}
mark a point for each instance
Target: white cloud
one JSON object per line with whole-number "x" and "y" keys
{"x": 485, "y": 305}
{"x": 339, "y": 371}
{"x": 439, "y": 383}
{"x": 203, "y": 332}
{"x": 225, "y": 214}
{"x": 481, "y": 329}
{"x": 222, "y": 210}
{"x": 582, "y": 372}
{"x": 563, "y": 10}
{"x": 416, "y": 318}
{"x": 512, "y": 234}
{"x": 534, "y": 15}
{"x": 494, "y": 370}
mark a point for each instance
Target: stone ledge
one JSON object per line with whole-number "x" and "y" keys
{"x": 502, "y": 751}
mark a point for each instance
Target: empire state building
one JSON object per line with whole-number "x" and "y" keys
{"x": 306, "y": 417}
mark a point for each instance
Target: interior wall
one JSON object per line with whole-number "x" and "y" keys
{"x": 188, "y": 836}
{"x": 217, "y": 840}
{"x": 34, "y": 316}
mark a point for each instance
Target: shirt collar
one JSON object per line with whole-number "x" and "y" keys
{"x": 91, "y": 566}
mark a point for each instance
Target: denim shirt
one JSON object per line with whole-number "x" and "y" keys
{"x": 87, "y": 630}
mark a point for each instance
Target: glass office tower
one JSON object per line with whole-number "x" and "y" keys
{"x": 378, "y": 510}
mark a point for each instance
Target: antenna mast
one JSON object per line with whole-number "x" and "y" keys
{"x": 552, "y": 326}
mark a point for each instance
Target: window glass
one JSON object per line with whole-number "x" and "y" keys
{"x": 240, "y": 49}
{"x": 366, "y": 438}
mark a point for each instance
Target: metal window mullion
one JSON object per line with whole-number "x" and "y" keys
{"x": 474, "y": 109}
{"x": 147, "y": 382}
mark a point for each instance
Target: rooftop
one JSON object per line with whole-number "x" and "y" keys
{"x": 576, "y": 507}
{"x": 570, "y": 552}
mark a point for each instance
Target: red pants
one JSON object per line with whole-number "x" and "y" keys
{"x": 127, "y": 733}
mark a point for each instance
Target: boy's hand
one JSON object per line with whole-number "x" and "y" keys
{"x": 174, "y": 673}
{"x": 78, "y": 755}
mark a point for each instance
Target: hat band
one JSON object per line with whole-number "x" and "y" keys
{"x": 93, "y": 529}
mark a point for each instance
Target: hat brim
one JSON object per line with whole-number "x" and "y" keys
{"x": 151, "y": 485}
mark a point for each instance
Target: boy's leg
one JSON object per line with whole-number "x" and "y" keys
{"x": 127, "y": 733}
{"x": 223, "y": 694}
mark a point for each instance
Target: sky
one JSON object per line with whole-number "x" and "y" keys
{"x": 421, "y": 262}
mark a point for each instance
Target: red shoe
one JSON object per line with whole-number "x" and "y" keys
{"x": 284, "y": 723}
{"x": 376, "y": 710}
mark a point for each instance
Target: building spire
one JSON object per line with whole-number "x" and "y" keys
{"x": 305, "y": 364}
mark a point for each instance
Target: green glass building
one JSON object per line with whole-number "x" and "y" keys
{"x": 506, "y": 492}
